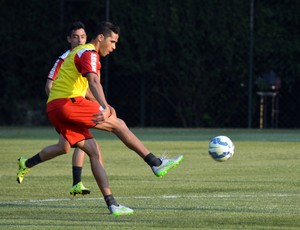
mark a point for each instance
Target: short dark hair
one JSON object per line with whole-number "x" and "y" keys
{"x": 106, "y": 28}
{"x": 75, "y": 26}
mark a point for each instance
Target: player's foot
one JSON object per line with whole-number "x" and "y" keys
{"x": 166, "y": 165}
{"x": 119, "y": 210}
{"x": 79, "y": 189}
{"x": 22, "y": 169}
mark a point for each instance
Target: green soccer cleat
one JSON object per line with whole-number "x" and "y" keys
{"x": 166, "y": 165}
{"x": 79, "y": 189}
{"x": 119, "y": 210}
{"x": 22, "y": 169}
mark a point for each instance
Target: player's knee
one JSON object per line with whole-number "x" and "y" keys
{"x": 120, "y": 125}
{"x": 63, "y": 149}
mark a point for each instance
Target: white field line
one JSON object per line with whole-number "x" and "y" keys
{"x": 155, "y": 197}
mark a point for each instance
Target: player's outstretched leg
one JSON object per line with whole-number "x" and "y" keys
{"x": 79, "y": 188}
{"x": 119, "y": 210}
{"x": 22, "y": 169}
{"x": 166, "y": 165}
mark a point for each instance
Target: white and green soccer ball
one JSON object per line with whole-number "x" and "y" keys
{"x": 221, "y": 148}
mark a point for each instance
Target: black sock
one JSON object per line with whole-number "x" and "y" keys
{"x": 152, "y": 160}
{"x": 76, "y": 174}
{"x": 110, "y": 200}
{"x": 33, "y": 161}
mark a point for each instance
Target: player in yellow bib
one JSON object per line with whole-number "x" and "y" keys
{"x": 73, "y": 115}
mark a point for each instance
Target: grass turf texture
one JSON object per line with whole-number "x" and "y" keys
{"x": 259, "y": 188}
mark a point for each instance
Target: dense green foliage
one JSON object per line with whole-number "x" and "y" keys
{"x": 178, "y": 63}
{"x": 257, "y": 189}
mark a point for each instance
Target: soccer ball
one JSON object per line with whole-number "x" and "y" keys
{"x": 221, "y": 148}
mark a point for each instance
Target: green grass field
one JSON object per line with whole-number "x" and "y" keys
{"x": 259, "y": 188}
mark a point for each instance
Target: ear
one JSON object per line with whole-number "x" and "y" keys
{"x": 100, "y": 37}
{"x": 69, "y": 39}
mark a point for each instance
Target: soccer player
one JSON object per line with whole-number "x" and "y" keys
{"x": 73, "y": 115}
{"x": 76, "y": 36}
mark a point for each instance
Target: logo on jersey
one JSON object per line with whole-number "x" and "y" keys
{"x": 94, "y": 62}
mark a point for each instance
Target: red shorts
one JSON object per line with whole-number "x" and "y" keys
{"x": 72, "y": 117}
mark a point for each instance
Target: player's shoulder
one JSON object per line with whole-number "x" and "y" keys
{"x": 80, "y": 50}
{"x": 64, "y": 55}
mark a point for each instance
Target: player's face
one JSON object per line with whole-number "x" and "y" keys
{"x": 78, "y": 37}
{"x": 108, "y": 44}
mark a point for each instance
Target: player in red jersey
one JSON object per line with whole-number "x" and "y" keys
{"x": 76, "y": 36}
{"x": 73, "y": 115}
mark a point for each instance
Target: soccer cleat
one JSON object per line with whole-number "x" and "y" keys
{"x": 119, "y": 210}
{"x": 166, "y": 165}
{"x": 79, "y": 189}
{"x": 22, "y": 169}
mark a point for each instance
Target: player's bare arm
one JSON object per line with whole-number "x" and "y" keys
{"x": 98, "y": 93}
{"x": 48, "y": 86}
{"x": 89, "y": 95}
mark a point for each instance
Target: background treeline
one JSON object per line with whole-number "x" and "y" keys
{"x": 178, "y": 63}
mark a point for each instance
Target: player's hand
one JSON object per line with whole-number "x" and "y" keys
{"x": 112, "y": 111}
{"x": 106, "y": 112}
{"x": 101, "y": 116}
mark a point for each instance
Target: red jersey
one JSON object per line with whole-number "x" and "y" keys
{"x": 54, "y": 71}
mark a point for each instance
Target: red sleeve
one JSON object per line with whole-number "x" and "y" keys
{"x": 54, "y": 71}
{"x": 88, "y": 62}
